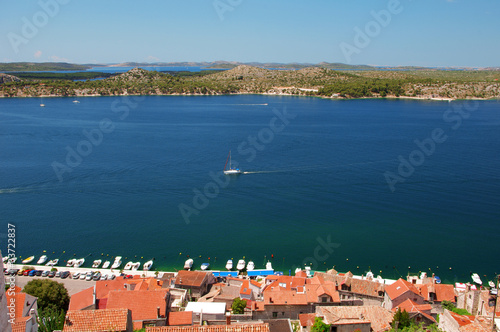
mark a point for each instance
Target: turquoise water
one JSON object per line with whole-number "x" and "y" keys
{"x": 319, "y": 178}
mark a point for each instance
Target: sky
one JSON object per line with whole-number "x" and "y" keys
{"x": 437, "y": 33}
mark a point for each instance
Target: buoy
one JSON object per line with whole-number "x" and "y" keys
{"x": 347, "y": 259}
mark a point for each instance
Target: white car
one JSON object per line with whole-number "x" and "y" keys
{"x": 82, "y": 276}
{"x": 76, "y": 275}
{"x": 104, "y": 277}
{"x": 89, "y": 276}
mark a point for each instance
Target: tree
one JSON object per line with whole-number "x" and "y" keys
{"x": 401, "y": 320}
{"x": 50, "y": 320}
{"x": 319, "y": 325}
{"x": 51, "y": 294}
{"x": 239, "y": 306}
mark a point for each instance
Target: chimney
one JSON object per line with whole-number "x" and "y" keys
{"x": 228, "y": 318}
{"x": 157, "y": 312}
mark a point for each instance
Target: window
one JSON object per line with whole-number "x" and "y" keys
{"x": 275, "y": 314}
{"x": 324, "y": 299}
{"x": 282, "y": 314}
{"x": 333, "y": 329}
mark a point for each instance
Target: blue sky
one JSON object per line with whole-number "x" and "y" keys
{"x": 417, "y": 32}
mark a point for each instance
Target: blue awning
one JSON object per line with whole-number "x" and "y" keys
{"x": 255, "y": 273}
{"x": 225, "y": 273}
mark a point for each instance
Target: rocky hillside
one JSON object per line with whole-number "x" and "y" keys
{"x": 5, "y": 78}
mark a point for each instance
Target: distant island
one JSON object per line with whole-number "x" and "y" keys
{"x": 365, "y": 82}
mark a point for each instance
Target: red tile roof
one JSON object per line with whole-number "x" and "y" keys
{"x": 19, "y": 297}
{"x": 379, "y": 318}
{"x": 399, "y": 288}
{"x": 142, "y": 304}
{"x": 190, "y": 278}
{"x": 20, "y": 324}
{"x": 82, "y": 299}
{"x": 212, "y": 328}
{"x": 307, "y": 319}
{"x": 444, "y": 292}
{"x": 411, "y": 306}
{"x": 462, "y": 320}
{"x": 357, "y": 286}
{"x": 96, "y": 320}
{"x": 180, "y": 318}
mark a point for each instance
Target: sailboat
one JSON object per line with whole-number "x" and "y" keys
{"x": 230, "y": 170}
{"x": 41, "y": 102}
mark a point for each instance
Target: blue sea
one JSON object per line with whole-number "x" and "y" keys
{"x": 391, "y": 186}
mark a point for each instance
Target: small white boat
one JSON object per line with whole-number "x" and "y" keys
{"x": 491, "y": 283}
{"x": 11, "y": 260}
{"x": 229, "y": 264}
{"x": 269, "y": 266}
{"x": 42, "y": 105}
{"x": 28, "y": 260}
{"x": 4, "y": 259}
{"x": 308, "y": 271}
{"x": 117, "y": 262}
{"x": 53, "y": 262}
{"x": 188, "y": 264}
{"x": 230, "y": 170}
{"x": 135, "y": 266}
{"x": 476, "y": 279}
{"x": 250, "y": 266}
{"x": 70, "y": 262}
{"x": 205, "y": 266}
{"x": 76, "y": 101}
{"x": 106, "y": 264}
{"x": 297, "y": 270}
{"x": 241, "y": 264}
{"x": 128, "y": 266}
{"x": 79, "y": 262}
{"x": 96, "y": 263}
{"x": 42, "y": 260}
{"x": 147, "y": 265}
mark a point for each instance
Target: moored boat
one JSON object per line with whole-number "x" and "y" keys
{"x": 106, "y": 264}
{"x": 250, "y": 266}
{"x": 135, "y": 266}
{"x": 70, "y": 262}
{"x": 53, "y": 262}
{"x": 79, "y": 262}
{"x": 28, "y": 260}
{"x": 147, "y": 266}
{"x": 128, "y": 266}
{"x": 96, "y": 263}
{"x": 269, "y": 265}
{"x": 229, "y": 264}
{"x": 205, "y": 266}
{"x": 42, "y": 260}
{"x": 475, "y": 277}
{"x": 188, "y": 264}
{"x": 117, "y": 262}
{"x": 241, "y": 265}
{"x": 230, "y": 170}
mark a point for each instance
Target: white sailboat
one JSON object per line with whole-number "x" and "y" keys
{"x": 79, "y": 262}
{"x": 230, "y": 170}
{"x": 70, "y": 262}
{"x": 241, "y": 264}
{"x": 117, "y": 262}
{"x": 42, "y": 260}
{"x": 229, "y": 264}
{"x": 250, "y": 266}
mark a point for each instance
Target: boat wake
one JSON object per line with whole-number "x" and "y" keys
{"x": 316, "y": 167}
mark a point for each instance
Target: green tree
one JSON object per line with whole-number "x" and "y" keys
{"x": 50, "y": 320}
{"x": 319, "y": 325}
{"x": 238, "y": 306}
{"x": 401, "y": 320}
{"x": 51, "y": 294}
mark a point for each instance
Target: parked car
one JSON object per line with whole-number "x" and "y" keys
{"x": 97, "y": 276}
{"x": 83, "y": 276}
{"x": 38, "y": 273}
{"x": 45, "y": 273}
{"x": 104, "y": 277}
{"x": 89, "y": 276}
{"x": 64, "y": 274}
{"x": 32, "y": 273}
{"x": 20, "y": 272}
{"x": 5, "y": 271}
{"x": 13, "y": 272}
{"x": 112, "y": 277}
{"x": 26, "y": 272}
{"x": 76, "y": 275}
{"x": 51, "y": 274}
{"x": 58, "y": 274}
{"x": 128, "y": 276}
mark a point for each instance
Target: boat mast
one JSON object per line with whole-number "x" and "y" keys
{"x": 228, "y": 156}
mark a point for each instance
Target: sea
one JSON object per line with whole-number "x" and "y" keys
{"x": 388, "y": 186}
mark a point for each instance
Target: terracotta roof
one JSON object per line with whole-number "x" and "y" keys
{"x": 82, "y": 299}
{"x": 142, "y": 304}
{"x": 379, "y": 318}
{"x": 301, "y": 273}
{"x": 19, "y": 297}
{"x": 212, "y": 328}
{"x": 399, "y": 288}
{"x": 462, "y": 320}
{"x": 444, "y": 292}
{"x": 190, "y": 278}
{"x": 20, "y": 324}
{"x": 307, "y": 319}
{"x": 96, "y": 320}
{"x": 180, "y": 318}
{"x": 411, "y": 306}
{"x": 358, "y": 286}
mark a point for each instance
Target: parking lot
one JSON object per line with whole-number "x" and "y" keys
{"x": 73, "y": 286}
